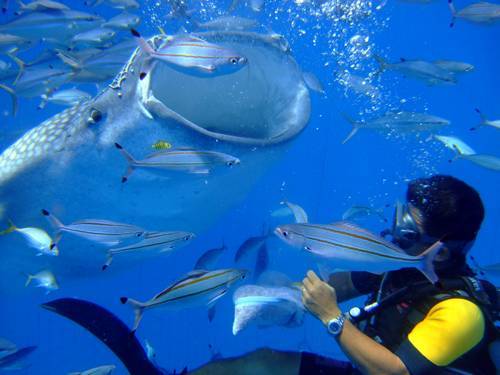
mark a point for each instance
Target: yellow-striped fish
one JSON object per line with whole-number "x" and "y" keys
{"x": 197, "y": 288}
{"x": 356, "y": 249}
{"x": 161, "y": 145}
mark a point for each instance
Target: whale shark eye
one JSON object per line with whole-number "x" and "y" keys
{"x": 95, "y": 116}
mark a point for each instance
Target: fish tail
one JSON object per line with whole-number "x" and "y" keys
{"x": 54, "y": 221}
{"x": 382, "y": 63}
{"x": 482, "y": 117}
{"x": 453, "y": 12}
{"x": 427, "y": 265}
{"x": 28, "y": 280}
{"x": 13, "y": 95}
{"x": 355, "y": 127}
{"x": 12, "y": 227}
{"x": 130, "y": 160}
{"x": 142, "y": 42}
{"x": 20, "y": 63}
{"x": 108, "y": 261}
{"x": 138, "y": 310}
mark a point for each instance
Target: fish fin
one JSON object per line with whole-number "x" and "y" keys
{"x": 10, "y": 229}
{"x": 130, "y": 160}
{"x": 211, "y": 313}
{"x": 108, "y": 261}
{"x": 20, "y": 63}
{"x": 453, "y": 11}
{"x": 355, "y": 127}
{"x": 54, "y": 221}
{"x": 382, "y": 64}
{"x": 212, "y": 302}
{"x": 142, "y": 42}
{"x": 298, "y": 212}
{"x": 138, "y": 310}
{"x": 427, "y": 265}
{"x": 483, "y": 119}
{"x": 28, "y": 280}
{"x": 13, "y": 95}
{"x": 201, "y": 171}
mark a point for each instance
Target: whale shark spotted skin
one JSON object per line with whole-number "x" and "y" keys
{"x": 70, "y": 166}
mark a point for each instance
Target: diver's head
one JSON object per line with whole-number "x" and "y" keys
{"x": 439, "y": 208}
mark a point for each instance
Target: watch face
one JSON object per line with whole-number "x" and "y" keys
{"x": 334, "y": 327}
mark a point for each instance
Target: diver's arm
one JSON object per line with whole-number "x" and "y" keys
{"x": 365, "y": 353}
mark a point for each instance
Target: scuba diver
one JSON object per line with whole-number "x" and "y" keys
{"x": 408, "y": 325}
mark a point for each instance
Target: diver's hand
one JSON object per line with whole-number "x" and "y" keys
{"x": 319, "y": 298}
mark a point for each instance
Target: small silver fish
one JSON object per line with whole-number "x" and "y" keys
{"x": 102, "y": 231}
{"x": 454, "y": 143}
{"x": 197, "y": 288}
{"x": 101, "y": 370}
{"x": 256, "y": 5}
{"x": 209, "y": 258}
{"x": 420, "y": 69}
{"x": 95, "y": 37}
{"x": 454, "y": 66}
{"x": 486, "y": 161}
{"x": 6, "y": 346}
{"x": 356, "y": 249}
{"x": 68, "y": 98}
{"x": 358, "y": 85}
{"x": 162, "y": 241}
{"x": 40, "y": 5}
{"x": 181, "y": 160}
{"x": 123, "y": 21}
{"x": 482, "y": 12}
{"x": 400, "y": 122}
{"x": 150, "y": 351}
{"x": 485, "y": 122}
{"x": 355, "y": 212}
{"x": 250, "y": 245}
{"x": 194, "y": 55}
{"x": 313, "y": 82}
{"x": 9, "y": 42}
{"x": 37, "y": 238}
{"x": 117, "y": 4}
{"x": 44, "y": 279}
{"x": 225, "y": 23}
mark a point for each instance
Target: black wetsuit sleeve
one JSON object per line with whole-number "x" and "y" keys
{"x": 415, "y": 362}
{"x": 365, "y": 282}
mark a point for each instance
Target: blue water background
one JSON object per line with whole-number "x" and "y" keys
{"x": 318, "y": 172}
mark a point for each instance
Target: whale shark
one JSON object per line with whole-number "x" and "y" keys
{"x": 69, "y": 165}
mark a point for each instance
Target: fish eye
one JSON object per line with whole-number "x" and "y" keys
{"x": 95, "y": 116}
{"x": 230, "y": 163}
{"x": 187, "y": 238}
{"x": 233, "y": 60}
{"x": 285, "y": 233}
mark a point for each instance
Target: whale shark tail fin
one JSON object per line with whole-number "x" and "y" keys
{"x": 109, "y": 329}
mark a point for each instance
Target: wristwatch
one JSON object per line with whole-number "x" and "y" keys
{"x": 336, "y": 325}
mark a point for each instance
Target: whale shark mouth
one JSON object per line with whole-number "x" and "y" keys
{"x": 265, "y": 102}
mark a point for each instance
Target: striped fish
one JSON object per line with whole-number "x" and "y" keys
{"x": 105, "y": 232}
{"x": 197, "y": 288}
{"x": 193, "y": 55}
{"x": 163, "y": 241}
{"x": 182, "y": 160}
{"x": 354, "y": 248}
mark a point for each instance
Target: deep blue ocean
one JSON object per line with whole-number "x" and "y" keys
{"x": 317, "y": 171}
